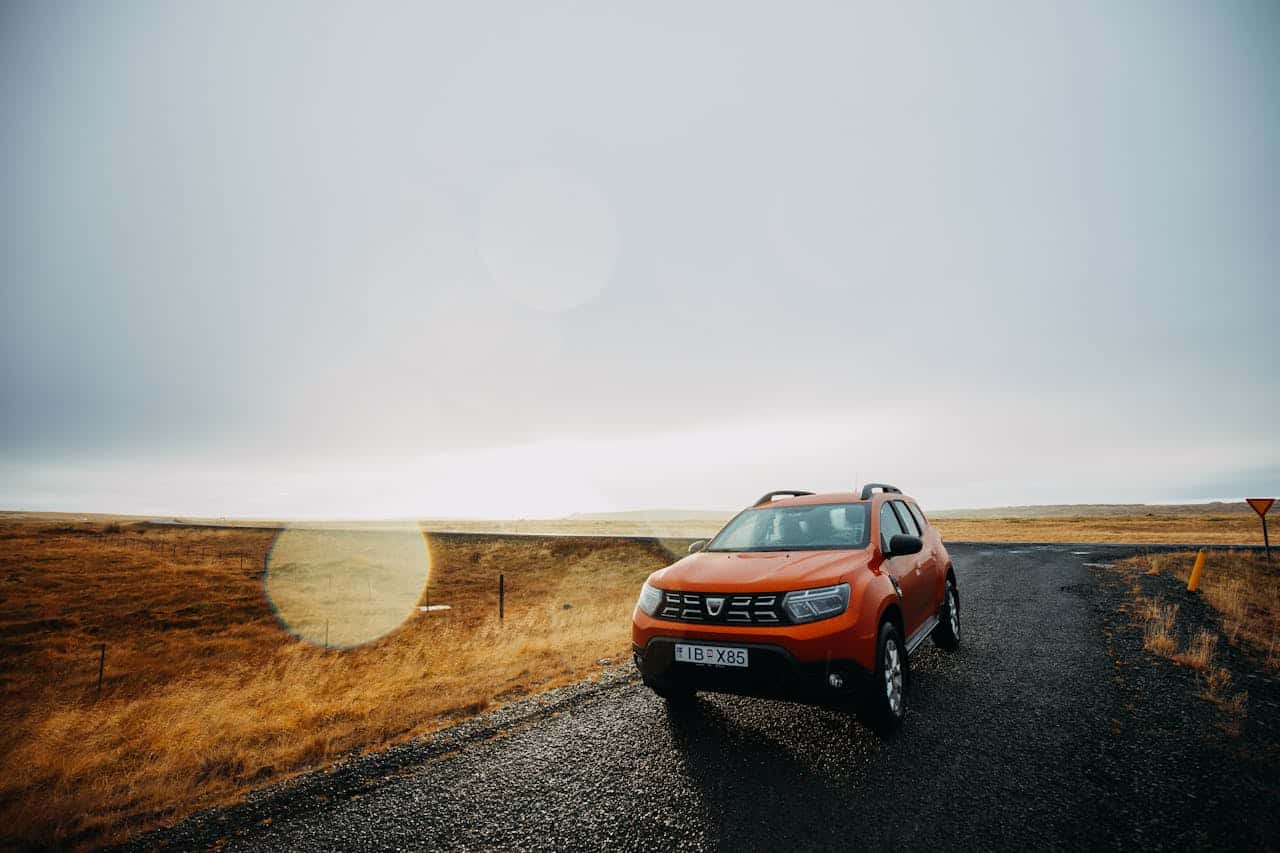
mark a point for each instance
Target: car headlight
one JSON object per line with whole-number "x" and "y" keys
{"x": 650, "y": 599}
{"x": 810, "y": 605}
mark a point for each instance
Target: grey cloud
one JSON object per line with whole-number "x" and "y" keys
{"x": 234, "y": 232}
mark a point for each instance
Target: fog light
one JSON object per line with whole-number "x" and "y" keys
{"x": 836, "y": 680}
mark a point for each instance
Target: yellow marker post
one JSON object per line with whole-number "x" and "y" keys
{"x": 1196, "y": 571}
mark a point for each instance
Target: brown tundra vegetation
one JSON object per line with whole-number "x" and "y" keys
{"x": 206, "y": 693}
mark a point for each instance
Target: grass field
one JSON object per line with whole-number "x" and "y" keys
{"x": 1244, "y": 590}
{"x": 1243, "y": 587}
{"x": 1208, "y": 523}
{"x": 1136, "y": 524}
{"x": 237, "y": 655}
{"x": 1155, "y": 528}
{"x": 206, "y": 694}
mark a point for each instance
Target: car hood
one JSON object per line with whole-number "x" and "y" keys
{"x": 760, "y": 571}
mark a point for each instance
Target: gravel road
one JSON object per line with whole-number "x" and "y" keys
{"x": 1031, "y": 736}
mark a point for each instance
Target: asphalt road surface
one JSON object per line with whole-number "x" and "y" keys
{"x": 1030, "y": 736}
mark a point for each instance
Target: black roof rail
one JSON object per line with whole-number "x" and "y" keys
{"x": 884, "y": 487}
{"x": 771, "y": 495}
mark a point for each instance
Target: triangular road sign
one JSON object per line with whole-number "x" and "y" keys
{"x": 1260, "y": 505}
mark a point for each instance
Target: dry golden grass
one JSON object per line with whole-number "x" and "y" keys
{"x": 206, "y": 695}
{"x": 1213, "y": 523}
{"x": 1167, "y": 525}
{"x": 1160, "y": 637}
{"x": 1233, "y": 707}
{"x": 1199, "y": 653}
{"x": 1216, "y": 682}
{"x": 1153, "y": 528}
{"x": 1158, "y": 634}
{"x": 1242, "y": 586}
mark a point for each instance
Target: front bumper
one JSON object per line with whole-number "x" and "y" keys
{"x": 773, "y": 672}
{"x": 847, "y": 637}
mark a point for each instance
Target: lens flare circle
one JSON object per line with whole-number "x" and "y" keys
{"x": 341, "y": 587}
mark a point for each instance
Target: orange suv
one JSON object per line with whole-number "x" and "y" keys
{"x": 803, "y": 596}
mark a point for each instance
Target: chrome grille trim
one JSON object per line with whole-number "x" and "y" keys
{"x": 738, "y": 609}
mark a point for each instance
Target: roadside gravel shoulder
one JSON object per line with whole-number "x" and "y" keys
{"x": 360, "y": 773}
{"x": 1190, "y": 782}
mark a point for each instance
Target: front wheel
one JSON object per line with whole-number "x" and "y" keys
{"x": 947, "y": 634}
{"x": 886, "y": 701}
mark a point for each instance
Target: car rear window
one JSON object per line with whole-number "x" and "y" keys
{"x": 919, "y": 516}
{"x": 889, "y": 525}
{"x": 909, "y": 523}
{"x": 816, "y": 527}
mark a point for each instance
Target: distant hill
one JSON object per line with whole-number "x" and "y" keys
{"x": 696, "y": 520}
{"x": 1043, "y": 511}
{"x": 654, "y": 515}
{"x": 1097, "y": 510}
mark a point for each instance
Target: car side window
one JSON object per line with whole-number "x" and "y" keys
{"x": 919, "y": 516}
{"x": 889, "y": 525}
{"x": 909, "y": 524}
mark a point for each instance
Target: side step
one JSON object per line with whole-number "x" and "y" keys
{"x": 914, "y": 641}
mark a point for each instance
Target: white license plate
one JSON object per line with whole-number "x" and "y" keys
{"x": 711, "y": 655}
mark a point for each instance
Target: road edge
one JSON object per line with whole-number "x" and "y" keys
{"x": 354, "y": 773}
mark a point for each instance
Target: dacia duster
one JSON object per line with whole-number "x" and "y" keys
{"x": 802, "y": 596}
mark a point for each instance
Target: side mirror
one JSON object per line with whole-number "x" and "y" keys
{"x": 697, "y": 545}
{"x": 901, "y": 545}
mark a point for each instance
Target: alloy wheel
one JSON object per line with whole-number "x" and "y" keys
{"x": 893, "y": 676}
{"x": 953, "y": 611}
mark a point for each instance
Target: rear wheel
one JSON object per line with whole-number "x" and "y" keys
{"x": 947, "y": 634}
{"x": 885, "y": 704}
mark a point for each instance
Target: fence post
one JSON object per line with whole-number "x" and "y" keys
{"x": 502, "y": 595}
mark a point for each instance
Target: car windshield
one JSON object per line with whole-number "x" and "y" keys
{"x": 795, "y": 528}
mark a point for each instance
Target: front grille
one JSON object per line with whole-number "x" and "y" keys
{"x": 742, "y": 609}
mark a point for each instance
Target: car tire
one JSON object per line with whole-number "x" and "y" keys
{"x": 676, "y": 696}
{"x": 947, "y": 634}
{"x": 885, "y": 702}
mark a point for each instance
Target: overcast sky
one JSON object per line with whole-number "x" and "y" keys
{"x": 492, "y": 260}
